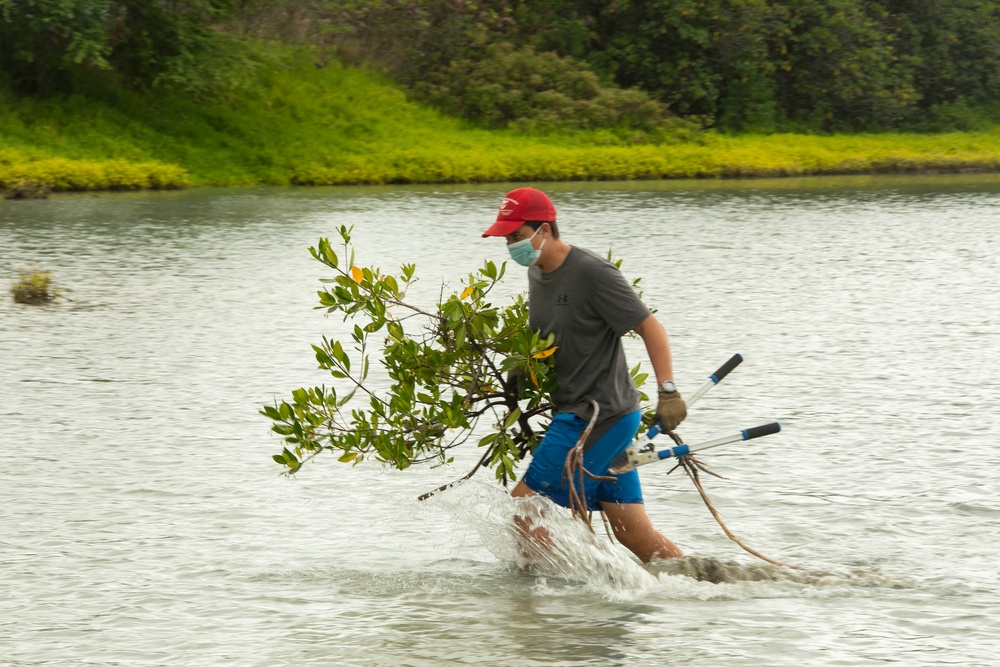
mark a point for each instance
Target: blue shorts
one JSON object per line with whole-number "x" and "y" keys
{"x": 545, "y": 474}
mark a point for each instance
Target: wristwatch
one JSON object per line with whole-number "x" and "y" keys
{"x": 667, "y": 387}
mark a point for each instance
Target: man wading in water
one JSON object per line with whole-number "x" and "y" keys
{"x": 588, "y": 305}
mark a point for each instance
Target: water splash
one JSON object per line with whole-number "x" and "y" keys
{"x": 574, "y": 554}
{"x": 578, "y": 556}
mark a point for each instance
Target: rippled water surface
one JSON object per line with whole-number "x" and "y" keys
{"x": 142, "y": 520}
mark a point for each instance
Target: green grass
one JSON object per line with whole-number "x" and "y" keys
{"x": 336, "y": 125}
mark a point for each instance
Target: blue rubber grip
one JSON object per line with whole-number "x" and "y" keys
{"x": 725, "y": 368}
{"x": 760, "y": 431}
{"x": 679, "y": 450}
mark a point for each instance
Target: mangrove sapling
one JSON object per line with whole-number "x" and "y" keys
{"x": 461, "y": 367}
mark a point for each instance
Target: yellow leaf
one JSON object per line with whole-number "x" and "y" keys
{"x": 466, "y": 292}
{"x": 357, "y": 274}
{"x": 531, "y": 374}
{"x": 545, "y": 353}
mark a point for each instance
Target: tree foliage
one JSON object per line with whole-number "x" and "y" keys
{"x": 743, "y": 65}
{"x": 466, "y": 369}
{"x": 50, "y": 46}
{"x": 447, "y": 370}
{"x": 739, "y": 64}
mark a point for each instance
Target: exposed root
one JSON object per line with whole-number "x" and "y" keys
{"x": 692, "y": 467}
{"x": 574, "y": 471}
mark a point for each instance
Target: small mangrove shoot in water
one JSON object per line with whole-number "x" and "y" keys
{"x": 34, "y": 286}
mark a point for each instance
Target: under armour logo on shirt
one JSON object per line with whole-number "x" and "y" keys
{"x": 562, "y": 300}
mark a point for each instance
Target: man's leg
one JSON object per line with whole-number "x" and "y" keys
{"x": 632, "y": 527}
{"x": 545, "y": 473}
{"x": 533, "y": 538}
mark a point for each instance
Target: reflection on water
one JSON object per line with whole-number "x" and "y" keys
{"x": 142, "y": 520}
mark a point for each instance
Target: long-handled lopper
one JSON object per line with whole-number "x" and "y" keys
{"x": 642, "y": 450}
{"x": 633, "y": 458}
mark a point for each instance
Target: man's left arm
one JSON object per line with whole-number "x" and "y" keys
{"x": 670, "y": 409}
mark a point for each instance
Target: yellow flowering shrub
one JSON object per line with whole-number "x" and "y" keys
{"x": 62, "y": 174}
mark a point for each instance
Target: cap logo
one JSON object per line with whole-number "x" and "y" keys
{"x": 503, "y": 206}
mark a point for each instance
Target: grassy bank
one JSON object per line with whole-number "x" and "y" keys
{"x": 335, "y": 125}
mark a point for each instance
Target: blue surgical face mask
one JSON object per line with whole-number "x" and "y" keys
{"x": 523, "y": 252}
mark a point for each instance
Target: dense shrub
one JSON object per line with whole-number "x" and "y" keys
{"x": 60, "y": 174}
{"x": 523, "y": 89}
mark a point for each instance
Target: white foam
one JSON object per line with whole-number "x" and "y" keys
{"x": 575, "y": 554}
{"x": 579, "y": 557}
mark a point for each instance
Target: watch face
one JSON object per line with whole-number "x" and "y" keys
{"x": 667, "y": 387}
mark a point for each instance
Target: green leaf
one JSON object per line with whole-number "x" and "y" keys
{"x": 343, "y": 401}
{"x": 329, "y": 254}
{"x": 512, "y": 418}
{"x": 341, "y": 356}
{"x": 391, "y": 284}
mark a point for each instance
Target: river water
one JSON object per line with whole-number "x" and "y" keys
{"x": 142, "y": 520}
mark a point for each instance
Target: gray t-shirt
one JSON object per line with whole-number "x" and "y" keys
{"x": 589, "y": 306}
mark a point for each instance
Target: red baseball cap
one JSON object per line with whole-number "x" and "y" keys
{"x": 521, "y": 206}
